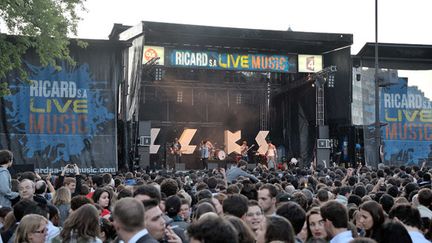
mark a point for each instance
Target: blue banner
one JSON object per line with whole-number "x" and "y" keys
{"x": 231, "y": 61}
{"x": 407, "y": 136}
{"x": 62, "y": 117}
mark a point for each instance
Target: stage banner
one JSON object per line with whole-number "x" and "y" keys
{"x": 61, "y": 117}
{"x": 231, "y": 61}
{"x": 407, "y": 135}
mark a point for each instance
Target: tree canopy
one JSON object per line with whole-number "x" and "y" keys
{"x": 43, "y": 26}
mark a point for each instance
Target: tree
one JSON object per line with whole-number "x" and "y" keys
{"x": 40, "y": 25}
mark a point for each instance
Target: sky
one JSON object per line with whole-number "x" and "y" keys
{"x": 399, "y": 21}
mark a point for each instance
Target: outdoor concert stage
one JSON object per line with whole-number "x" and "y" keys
{"x": 214, "y": 79}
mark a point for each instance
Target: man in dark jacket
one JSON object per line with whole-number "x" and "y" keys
{"x": 128, "y": 215}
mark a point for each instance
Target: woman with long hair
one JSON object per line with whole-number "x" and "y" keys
{"x": 315, "y": 224}
{"x": 370, "y": 218}
{"x": 31, "y": 229}
{"x": 82, "y": 226}
{"x": 275, "y": 228}
{"x": 62, "y": 200}
{"x": 102, "y": 197}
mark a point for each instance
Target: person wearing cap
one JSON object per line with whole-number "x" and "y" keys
{"x": 282, "y": 198}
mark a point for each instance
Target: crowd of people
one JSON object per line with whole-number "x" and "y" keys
{"x": 233, "y": 205}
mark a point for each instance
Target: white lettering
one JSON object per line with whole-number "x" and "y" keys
{"x": 53, "y": 89}
{"x": 63, "y": 89}
{"x": 46, "y": 88}
{"x": 185, "y": 58}
{"x": 387, "y": 101}
{"x": 72, "y": 89}
{"x": 192, "y": 59}
{"x": 178, "y": 58}
{"x": 406, "y": 101}
{"x": 34, "y": 91}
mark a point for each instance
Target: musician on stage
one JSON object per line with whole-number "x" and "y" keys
{"x": 205, "y": 149}
{"x": 176, "y": 152}
{"x": 244, "y": 148}
{"x": 271, "y": 155}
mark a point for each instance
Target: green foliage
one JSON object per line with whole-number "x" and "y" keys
{"x": 43, "y": 26}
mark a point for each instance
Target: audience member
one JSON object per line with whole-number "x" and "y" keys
{"x": 371, "y": 217}
{"x": 6, "y": 193}
{"x": 295, "y": 215}
{"x": 32, "y": 229}
{"x": 410, "y": 218}
{"x": 275, "y": 228}
{"x": 267, "y": 198}
{"x": 315, "y": 224}
{"x": 335, "y": 218}
{"x": 212, "y": 229}
{"x": 129, "y": 221}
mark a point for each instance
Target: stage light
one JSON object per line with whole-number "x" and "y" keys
{"x": 331, "y": 81}
{"x": 158, "y": 74}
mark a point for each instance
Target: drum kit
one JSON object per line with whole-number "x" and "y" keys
{"x": 219, "y": 154}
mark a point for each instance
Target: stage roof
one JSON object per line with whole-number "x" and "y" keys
{"x": 169, "y": 34}
{"x": 395, "y": 56}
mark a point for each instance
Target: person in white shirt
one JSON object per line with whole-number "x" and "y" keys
{"x": 409, "y": 216}
{"x": 425, "y": 201}
{"x": 335, "y": 216}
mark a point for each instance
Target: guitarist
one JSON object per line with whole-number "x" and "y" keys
{"x": 176, "y": 152}
{"x": 244, "y": 148}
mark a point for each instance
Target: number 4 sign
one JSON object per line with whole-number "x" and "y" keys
{"x": 310, "y": 63}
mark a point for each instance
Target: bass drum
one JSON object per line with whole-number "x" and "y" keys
{"x": 220, "y": 154}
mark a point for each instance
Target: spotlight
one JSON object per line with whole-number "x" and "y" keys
{"x": 158, "y": 74}
{"x": 331, "y": 81}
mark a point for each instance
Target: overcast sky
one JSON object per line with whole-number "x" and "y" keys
{"x": 400, "y": 21}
